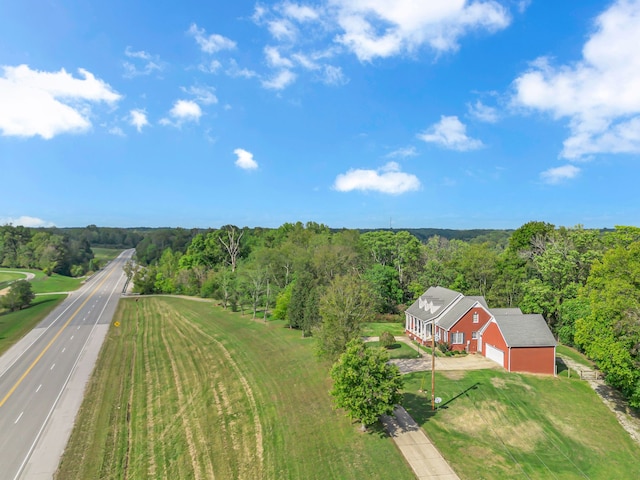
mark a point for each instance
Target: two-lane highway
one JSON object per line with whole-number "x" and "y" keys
{"x": 42, "y": 376}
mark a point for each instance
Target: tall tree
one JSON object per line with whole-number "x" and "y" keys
{"x": 365, "y": 384}
{"x": 347, "y": 303}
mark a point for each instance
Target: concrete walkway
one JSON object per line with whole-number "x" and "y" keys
{"x": 425, "y": 460}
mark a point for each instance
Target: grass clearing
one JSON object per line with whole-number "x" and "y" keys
{"x": 397, "y": 350}
{"x": 183, "y": 389}
{"x": 6, "y": 278}
{"x": 375, "y": 329}
{"x": 105, "y": 254}
{"x": 15, "y": 325}
{"x": 500, "y": 425}
{"x": 55, "y": 283}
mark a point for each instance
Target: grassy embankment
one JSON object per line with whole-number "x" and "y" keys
{"x": 14, "y": 325}
{"x": 7, "y": 277}
{"x": 105, "y": 254}
{"x": 183, "y": 389}
{"x": 498, "y": 425}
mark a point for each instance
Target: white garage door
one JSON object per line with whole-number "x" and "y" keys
{"x": 494, "y": 354}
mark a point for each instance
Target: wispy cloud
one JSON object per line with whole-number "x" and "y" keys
{"x": 389, "y": 179}
{"x": 204, "y": 94}
{"x": 598, "y": 95}
{"x": 210, "y": 43}
{"x": 141, "y": 63}
{"x": 450, "y": 133}
{"x": 49, "y": 103}
{"x": 403, "y": 152}
{"x": 138, "y": 119}
{"x": 235, "y": 71}
{"x": 280, "y": 81}
{"x": 245, "y": 159}
{"x": 483, "y": 112}
{"x": 557, "y": 175}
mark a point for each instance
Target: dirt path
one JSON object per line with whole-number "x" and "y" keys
{"x": 628, "y": 418}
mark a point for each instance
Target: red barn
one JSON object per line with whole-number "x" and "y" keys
{"x": 518, "y": 342}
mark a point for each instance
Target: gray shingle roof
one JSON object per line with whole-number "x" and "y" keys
{"x": 480, "y": 299}
{"x": 432, "y": 303}
{"x": 525, "y": 330}
{"x": 456, "y": 312}
{"x": 506, "y": 311}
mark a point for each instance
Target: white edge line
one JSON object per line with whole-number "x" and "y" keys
{"x": 55, "y": 403}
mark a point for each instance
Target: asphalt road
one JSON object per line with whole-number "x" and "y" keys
{"x": 42, "y": 377}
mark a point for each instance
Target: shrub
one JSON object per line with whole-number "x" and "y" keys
{"x": 444, "y": 347}
{"x": 387, "y": 339}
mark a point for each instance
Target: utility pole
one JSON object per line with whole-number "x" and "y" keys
{"x": 433, "y": 365}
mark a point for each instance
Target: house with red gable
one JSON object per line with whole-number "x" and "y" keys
{"x": 517, "y": 342}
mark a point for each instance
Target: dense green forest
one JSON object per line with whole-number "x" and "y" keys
{"x": 585, "y": 282}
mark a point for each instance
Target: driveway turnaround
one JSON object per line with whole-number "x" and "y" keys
{"x": 42, "y": 377}
{"x": 425, "y": 460}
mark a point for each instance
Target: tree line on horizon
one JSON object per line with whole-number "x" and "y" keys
{"x": 324, "y": 282}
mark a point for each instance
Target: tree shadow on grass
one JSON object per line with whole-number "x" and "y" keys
{"x": 419, "y": 405}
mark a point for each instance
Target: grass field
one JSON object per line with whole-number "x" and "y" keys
{"x": 398, "y": 350}
{"x": 374, "y": 329}
{"x": 105, "y": 254}
{"x": 55, "y": 283}
{"x": 186, "y": 390}
{"x": 14, "y": 325}
{"x": 499, "y": 425}
{"x": 7, "y": 277}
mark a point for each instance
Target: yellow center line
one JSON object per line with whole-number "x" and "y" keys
{"x": 17, "y": 384}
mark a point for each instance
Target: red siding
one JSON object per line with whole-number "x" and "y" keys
{"x": 466, "y": 326}
{"x": 492, "y": 336}
{"x": 533, "y": 360}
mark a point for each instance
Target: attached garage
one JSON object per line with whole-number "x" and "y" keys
{"x": 520, "y": 343}
{"x": 495, "y": 354}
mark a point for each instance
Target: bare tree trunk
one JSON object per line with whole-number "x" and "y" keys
{"x": 233, "y": 246}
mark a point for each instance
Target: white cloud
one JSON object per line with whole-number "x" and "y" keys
{"x": 599, "y": 94}
{"x": 117, "y": 131}
{"x": 26, "y": 221}
{"x": 382, "y": 28}
{"x": 301, "y": 13}
{"x": 388, "y": 179}
{"x": 275, "y": 60}
{"x": 245, "y": 159}
{"x": 235, "y": 71}
{"x": 41, "y": 103}
{"x": 280, "y": 81}
{"x": 404, "y": 152}
{"x": 483, "y": 112}
{"x": 183, "y": 111}
{"x": 212, "y": 43}
{"x": 282, "y": 29}
{"x": 149, "y": 63}
{"x": 559, "y": 174}
{"x": 203, "y": 94}
{"x": 334, "y": 76}
{"x": 450, "y": 133}
{"x": 138, "y": 119}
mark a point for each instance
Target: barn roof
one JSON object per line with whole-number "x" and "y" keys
{"x": 525, "y": 330}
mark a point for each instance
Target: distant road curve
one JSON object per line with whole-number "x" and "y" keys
{"x": 29, "y": 276}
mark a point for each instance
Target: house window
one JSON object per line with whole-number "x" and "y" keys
{"x": 474, "y": 335}
{"x": 457, "y": 338}
{"x": 476, "y": 317}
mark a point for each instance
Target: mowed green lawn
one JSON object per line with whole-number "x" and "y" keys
{"x": 14, "y": 325}
{"x": 7, "y": 277}
{"x": 498, "y": 425}
{"x": 183, "y": 389}
{"x": 44, "y": 284}
{"x": 397, "y": 350}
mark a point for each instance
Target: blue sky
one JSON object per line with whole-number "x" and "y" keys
{"x": 352, "y": 113}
